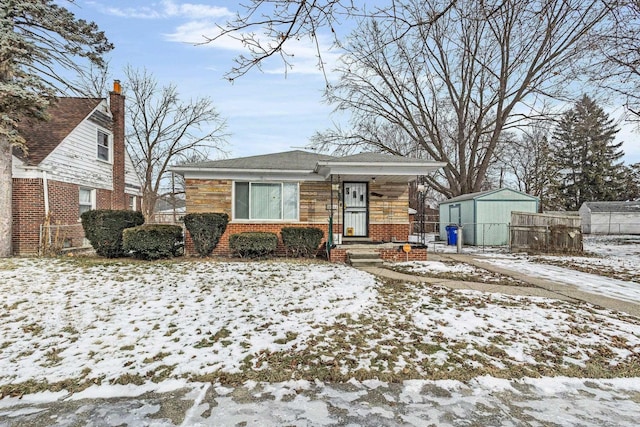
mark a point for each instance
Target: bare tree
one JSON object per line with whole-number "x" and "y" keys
{"x": 163, "y": 130}
{"x": 38, "y": 39}
{"x": 93, "y": 82}
{"x": 530, "y": 165}
{"x": 266, "y": 27}
{"x": 453, "y": 87}
{"x": 618, "y": 70}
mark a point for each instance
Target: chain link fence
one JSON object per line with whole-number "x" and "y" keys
{"x": 57, "y": 238}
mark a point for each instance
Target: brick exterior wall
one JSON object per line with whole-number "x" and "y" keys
{"x": 116, "y": 103}
{"x": 396, "y": 254}
{"x": 28, "y": 214}
{"x": 64, "y": 210}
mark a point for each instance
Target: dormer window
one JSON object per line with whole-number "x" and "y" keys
{"x": 103, "y": 146}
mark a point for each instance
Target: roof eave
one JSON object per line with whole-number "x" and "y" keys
{"x": 376, "y": 168}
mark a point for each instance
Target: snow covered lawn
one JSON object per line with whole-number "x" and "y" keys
{"x": 72, "y": 323}
{"x": 453, "y": 270}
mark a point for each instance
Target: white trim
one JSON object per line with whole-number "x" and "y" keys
{"x": 109, "y": 146}
{"x": 92, "y": 195}
{"x": 246, "y": 175}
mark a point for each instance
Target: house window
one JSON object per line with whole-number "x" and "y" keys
{"x": 87, "y": 200}
{"x": 103, "y": 146}
{"x": 266, "y": 200}
{"x": 132, "y": 203}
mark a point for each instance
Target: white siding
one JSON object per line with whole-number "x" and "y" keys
{"x": 75, "y": 160}
{"x": 614, "y": 223}
{"x": 132, "y": 182}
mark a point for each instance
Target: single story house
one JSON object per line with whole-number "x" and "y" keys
{"x": 610, "y": 217}
{"x": 364, "y": 197}
{"x": 76, "y": 161}
{"x": 485, "y": 216}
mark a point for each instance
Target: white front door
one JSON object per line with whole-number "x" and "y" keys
{"x": 355, "y": 197}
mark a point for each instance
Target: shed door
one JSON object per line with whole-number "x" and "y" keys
{"x": 454, "y": 214}
{"x": 356, "y": 204}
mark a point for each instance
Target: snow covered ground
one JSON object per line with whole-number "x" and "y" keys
{"x": 483, "y": 401}
{"x": 103, "y": 328}
{"x": 613, "y": 270}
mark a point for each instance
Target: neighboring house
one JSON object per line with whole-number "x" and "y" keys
{"x": 365, "y": 196}
{"x": 610, "y": 217}
{"x": 76, "y": 161}
{"x": 169, "y": 210}
{"x": 485, "y": 216}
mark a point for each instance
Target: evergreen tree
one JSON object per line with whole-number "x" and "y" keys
{"x": 632, "y": 182}
{"x": 589, "y": 160}
{"x": 38, "y": 39}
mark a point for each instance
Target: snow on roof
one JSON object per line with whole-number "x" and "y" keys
{"x": 633, "y": 206}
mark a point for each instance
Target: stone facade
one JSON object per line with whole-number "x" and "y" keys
{"x": 388, "y": 215}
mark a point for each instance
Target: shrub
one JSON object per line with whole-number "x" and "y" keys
{"x": 253, "y": 244}
{"x": 205, "y": 230}
{"x": 301, "y": 241}
{"x": 153, "y": 241}
{"x": 103, "y": 228}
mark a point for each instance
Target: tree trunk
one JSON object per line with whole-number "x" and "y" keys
{"x": 6, "y": 191}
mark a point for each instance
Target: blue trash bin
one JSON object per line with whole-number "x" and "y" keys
{"x": 452, "y": 234}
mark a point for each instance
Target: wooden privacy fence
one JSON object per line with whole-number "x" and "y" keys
{"x": 547, "y": 233}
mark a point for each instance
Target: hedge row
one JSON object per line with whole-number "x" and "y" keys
{"x": 298, "y": 242}
{"x": 116, "y": 233}
{"x": 154, "y": 241}
{"x": 103, "y": 228}
{"x": 301, "y": 241}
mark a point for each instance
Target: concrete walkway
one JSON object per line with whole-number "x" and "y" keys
{"x": 539, "y": 287}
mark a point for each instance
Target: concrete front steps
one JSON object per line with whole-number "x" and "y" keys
{"x": 363, "y": 257}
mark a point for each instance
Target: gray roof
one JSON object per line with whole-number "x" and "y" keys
{"x": 479, "y": 194}
{"x": 375, "y": 158}
{"x": 614, "y": 206}
{"x": 297, "y": 159}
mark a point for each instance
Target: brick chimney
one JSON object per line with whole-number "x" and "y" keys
{"x": 116, "y": 103}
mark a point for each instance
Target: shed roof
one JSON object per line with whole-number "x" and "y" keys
{"x": 614, "y": 206}
{"x": 482, "y": 194}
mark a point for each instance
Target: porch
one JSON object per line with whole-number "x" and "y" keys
{"x": 363, "y": 253}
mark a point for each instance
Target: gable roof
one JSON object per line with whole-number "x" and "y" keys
{"x": 42, "y": 137}
{"x": 614, "y": 206}
{"x": 481, "y": 194}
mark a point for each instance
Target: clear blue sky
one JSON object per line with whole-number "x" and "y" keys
{"x": 266, "y": 112}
